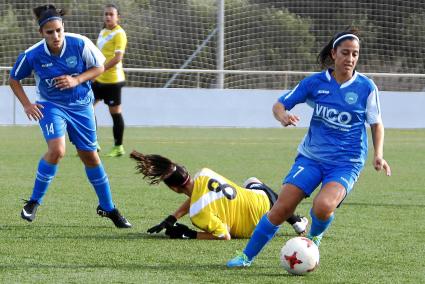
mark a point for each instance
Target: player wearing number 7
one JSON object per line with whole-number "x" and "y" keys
{"x": 63, "y": 65}
{"x": 334, "y": 150}
{"x": 216, "y": 205}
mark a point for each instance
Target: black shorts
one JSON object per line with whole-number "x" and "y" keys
{"x": 109, "y": 93}
{"x": 269, "y": 192}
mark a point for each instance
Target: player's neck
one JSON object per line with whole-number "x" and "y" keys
{"x": 341, "y": 77}
{"x": 188, "y": 188}
{"x": 55, "y": 51}
{"x": 111, "y": 27}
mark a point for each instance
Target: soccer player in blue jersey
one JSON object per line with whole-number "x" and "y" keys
{"x": 333, "y": 151}
{"x": 63, "y": 65}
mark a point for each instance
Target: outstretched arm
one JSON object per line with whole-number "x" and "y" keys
{"x": 171, "y": 219}
{"x": 182, "y": 210}
{"x": 378, "y": 144}
{"x": 208, "y": 222}
{"x": 283, "y": 116}
{"x": 181, "y": 231}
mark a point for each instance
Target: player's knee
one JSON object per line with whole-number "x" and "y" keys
{"x": 54, "y": 155}
{"x": 115, "y": 109}
{"x": 323, "y": 209}
{"x": 90, "y": 159}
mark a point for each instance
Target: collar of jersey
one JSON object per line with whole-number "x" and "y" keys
{"x": 346, "y": 84}
{"x": 117, "y": 27}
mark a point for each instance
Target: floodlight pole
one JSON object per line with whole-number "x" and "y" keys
{"x": 220, "y": 44}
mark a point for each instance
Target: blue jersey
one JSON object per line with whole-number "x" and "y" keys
{"x": 78, "y": 55}
{"x": 337, "y": 133}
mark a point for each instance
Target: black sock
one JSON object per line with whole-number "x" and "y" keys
{"x": 118, "y": 128}
{"x": 293, "y": 219}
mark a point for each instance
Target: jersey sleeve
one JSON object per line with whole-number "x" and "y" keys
{"x": 296, "y": 96}
{"x": 22, "y": 68}
{"x": 373, "y": 108}
{"x": 121, "y": 42}
{"x": 92, "y": 56}
{"x": 210, "y": 223}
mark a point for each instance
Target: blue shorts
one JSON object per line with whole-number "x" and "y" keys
{"x": 307, "y": 174}
{"x": 78, "y": 122}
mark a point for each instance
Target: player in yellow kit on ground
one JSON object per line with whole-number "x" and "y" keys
{"x": 216, "y": 205}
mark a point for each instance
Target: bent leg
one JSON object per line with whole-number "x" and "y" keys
{"x": 324, "y": 205}
{"x": 53, "y": 125}
{"x": 287, "y": 202}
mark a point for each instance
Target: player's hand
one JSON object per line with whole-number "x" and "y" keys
{"x": 33, "y": 111}
{"x": 165, "y": 224}
{"x": 380, "y": 164}
{"x": 289, "y": 119}
{"x": 180, "y": 231}
{"x": 66, "y": 82}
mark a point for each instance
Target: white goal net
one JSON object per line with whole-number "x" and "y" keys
{"x": 266, "y": 44}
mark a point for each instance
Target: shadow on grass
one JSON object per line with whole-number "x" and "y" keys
{"x": 155, "y": 267}
{"x": 67, "y": 232}
{"x": 367, "y": 204}
{"x": 45, "y": 232}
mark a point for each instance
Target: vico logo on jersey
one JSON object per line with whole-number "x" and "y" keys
{"x": 51, "y": 82}
{"x": 334, "y": 116}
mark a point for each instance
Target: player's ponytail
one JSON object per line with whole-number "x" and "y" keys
{"x": 156, "y": 168}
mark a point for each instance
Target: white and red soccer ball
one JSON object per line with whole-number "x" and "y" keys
{"x": 299, "y": 256}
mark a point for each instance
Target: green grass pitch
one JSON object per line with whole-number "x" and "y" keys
{"x": 377, "y": 237}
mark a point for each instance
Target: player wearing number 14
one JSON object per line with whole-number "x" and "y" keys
{"x": 63, "y": 65}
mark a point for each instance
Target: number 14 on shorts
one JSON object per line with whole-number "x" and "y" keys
{"x": 49, "y": 128}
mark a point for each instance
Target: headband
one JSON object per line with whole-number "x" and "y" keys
{"x": 49, "y": 15}
{"x": 342, "y": 37}
{"x": 179, "y": 177}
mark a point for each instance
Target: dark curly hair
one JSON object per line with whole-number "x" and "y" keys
{"x": 156, "y": 168}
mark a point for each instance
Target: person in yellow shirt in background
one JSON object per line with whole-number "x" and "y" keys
{"x": 112, "y": 42}
{"x": 216, "y": 205}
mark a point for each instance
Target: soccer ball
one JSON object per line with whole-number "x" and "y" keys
{"x": 299, "y": 256}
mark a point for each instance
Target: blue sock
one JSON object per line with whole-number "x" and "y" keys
{"x": 263, "y": 233}
{"x": 98, "y": 178}
{"x": 45, "y": 174}
{"x": 318, "y": 226}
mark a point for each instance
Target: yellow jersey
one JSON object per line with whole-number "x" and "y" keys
{"x": 111, "y": 42}
{"x": 219, "y": 206}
